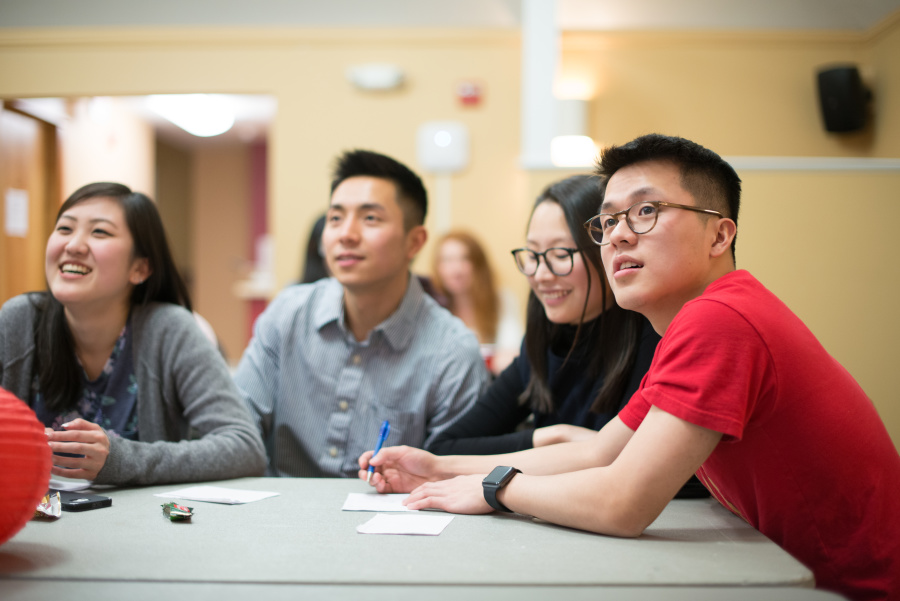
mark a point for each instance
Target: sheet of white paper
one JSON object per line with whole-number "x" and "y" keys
{"x": 217, "y": 494}
{"x": 359, "y": 501}
{"x": 421, "y": 524}
{"x": 16, "y": 212}
{"x": 62, "y": 483}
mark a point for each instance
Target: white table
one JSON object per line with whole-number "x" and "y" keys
{"x": 302, "y": 539}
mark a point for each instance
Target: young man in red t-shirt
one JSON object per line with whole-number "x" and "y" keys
{"x": 739, "y": 391}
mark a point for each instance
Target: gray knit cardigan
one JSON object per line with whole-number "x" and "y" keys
{"x": 184, "y": 389}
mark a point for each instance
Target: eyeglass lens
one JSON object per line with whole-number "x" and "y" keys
{"x": 640, "y": 217}
{"x": 558, "y": 260}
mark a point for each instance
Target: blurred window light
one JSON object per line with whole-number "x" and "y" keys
{"x": 577, "y": 88}
{"x": 573, "y": 151}
{"x": 203, "y": 115}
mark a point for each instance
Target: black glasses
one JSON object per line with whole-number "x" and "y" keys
{"x": 640, "y": 217}
{"x": 560, "y": 261}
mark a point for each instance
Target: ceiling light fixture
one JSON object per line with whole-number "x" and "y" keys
{"x": 203, "y": 115}
{"x": 376, "y": 76}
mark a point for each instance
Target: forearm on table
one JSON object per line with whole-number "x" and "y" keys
{"x": 588, "y": 500}
{"x": 231, "y": 454}
{"x": 624, "y": 497}
{"x": 553, "y": 459}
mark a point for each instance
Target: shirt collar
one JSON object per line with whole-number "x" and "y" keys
{"x": 397, "y": 329}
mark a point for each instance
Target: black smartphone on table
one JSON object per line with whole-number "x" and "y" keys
{"x": 76, "y": 501}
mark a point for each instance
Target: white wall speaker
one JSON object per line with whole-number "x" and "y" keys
{"x": 442, "y": 146}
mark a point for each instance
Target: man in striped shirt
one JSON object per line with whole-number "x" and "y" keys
{"x": 330, "y": 361}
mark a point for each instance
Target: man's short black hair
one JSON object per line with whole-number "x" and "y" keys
{"x": 411, "y": 194}
{"x": 712, "y": 182}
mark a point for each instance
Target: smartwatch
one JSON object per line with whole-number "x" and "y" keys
{"x": 497, "y": 479}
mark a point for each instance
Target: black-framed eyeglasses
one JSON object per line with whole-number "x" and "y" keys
{"x": 641, "y": 217}
{"x": 559, "y": 260}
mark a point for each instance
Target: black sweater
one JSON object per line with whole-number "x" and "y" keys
{"x": 490, "y": 426}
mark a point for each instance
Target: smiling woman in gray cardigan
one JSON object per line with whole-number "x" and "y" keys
{"x": 157, "y": 404}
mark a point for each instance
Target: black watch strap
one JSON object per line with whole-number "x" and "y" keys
{"x": 497, "y": 479}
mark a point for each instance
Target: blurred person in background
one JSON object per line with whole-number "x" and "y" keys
{"x": 462, "y": 274}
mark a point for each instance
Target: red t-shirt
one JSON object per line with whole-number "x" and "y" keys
{"x": 805, "y": 458}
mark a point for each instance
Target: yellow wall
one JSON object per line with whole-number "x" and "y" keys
{"x": 884, "y": 57}
{"x": 739, "y": 93}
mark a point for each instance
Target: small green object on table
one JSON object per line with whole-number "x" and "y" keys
{"x": 177, "y": 513}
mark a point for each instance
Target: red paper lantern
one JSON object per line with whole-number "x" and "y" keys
{"x": 25, "y": 461}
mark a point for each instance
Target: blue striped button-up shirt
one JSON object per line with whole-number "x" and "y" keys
{"x": 319, "y": 396}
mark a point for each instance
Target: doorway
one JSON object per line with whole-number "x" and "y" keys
{"x": 29, "y": 176}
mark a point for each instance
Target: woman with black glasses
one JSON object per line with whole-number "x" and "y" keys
{"x": 582, "y": 357}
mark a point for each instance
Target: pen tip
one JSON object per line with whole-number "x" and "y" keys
{"x": 369, "y": 478}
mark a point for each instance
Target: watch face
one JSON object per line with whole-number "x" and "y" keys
{"x": 500, "y": 475}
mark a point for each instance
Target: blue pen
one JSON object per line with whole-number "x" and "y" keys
{"x": 385, "y": 429}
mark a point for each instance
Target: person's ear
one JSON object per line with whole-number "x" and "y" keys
{"x": 415, "y": 240}
{"x": 140, "y": 271}
{"x": 725, "y": 231}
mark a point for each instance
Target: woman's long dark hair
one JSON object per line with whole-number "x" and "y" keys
{"x": 56, "y": 364}
{"x": 615, "y": 347}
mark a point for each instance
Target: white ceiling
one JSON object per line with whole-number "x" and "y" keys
{"x": 504, "y": 14}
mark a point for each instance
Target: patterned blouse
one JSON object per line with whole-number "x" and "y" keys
{"x": 109, "y": 401}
